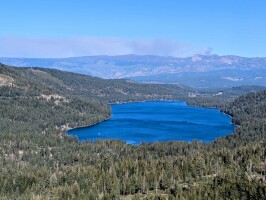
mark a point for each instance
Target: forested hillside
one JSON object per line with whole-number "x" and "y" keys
{"x": 249, "y": 113}
{"x": 108, "y": 90}
{"x": 29, "y": 106}
{"x": 38, "y": 161}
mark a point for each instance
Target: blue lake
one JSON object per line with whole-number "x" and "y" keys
{"x": 158, "y": 121}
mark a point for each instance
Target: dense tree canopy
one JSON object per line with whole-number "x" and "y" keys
{"x": 38, "y": 161}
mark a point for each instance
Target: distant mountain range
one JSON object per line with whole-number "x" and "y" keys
{"x": 199, "y": 71}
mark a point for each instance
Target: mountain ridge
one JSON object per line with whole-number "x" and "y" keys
{"x": 199, "y": 71}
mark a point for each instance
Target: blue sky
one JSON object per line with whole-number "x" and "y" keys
{"x": 63, "y": 28}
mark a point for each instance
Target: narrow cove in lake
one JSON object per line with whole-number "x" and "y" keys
{"x": 156, "y": 121}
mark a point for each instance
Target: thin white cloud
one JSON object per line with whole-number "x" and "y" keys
{"x": 87, "y": 46}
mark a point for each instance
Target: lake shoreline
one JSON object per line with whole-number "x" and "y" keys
{"x": 176, "y": 136}
{"x": 86, "y": 126}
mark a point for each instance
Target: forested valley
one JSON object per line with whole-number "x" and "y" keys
{"x": 39, "y": 161}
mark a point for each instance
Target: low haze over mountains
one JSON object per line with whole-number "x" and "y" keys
{"x": 200, "y": 71}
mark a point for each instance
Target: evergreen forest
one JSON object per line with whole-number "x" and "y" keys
{"x": 39, "y": 161}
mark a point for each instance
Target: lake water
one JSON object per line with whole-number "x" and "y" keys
{"x": 158, "y": 121}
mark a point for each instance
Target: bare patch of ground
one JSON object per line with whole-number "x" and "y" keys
{"x": 6, "y": 80}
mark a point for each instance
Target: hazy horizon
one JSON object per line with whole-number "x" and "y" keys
{"x": 102, "y": 55}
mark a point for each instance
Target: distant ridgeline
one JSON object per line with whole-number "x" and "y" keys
{"x": 199, "y": 71}
{"x": 39, "y": 162}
